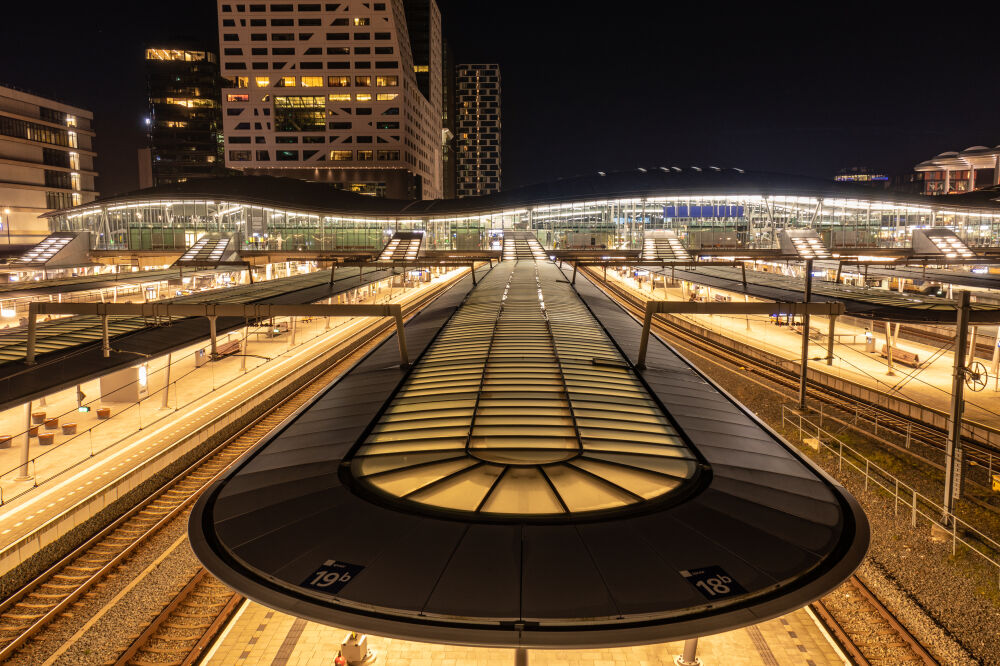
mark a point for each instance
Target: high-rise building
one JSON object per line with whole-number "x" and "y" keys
{"x": 46, "y": 162}
{"x": 477, "y": 129}
{"x": 329, "y": 92}
{"x": 184, "y": 125}
{"x": 448, "y": 120}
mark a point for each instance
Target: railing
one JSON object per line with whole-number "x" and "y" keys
{"x": 919, "y": 508}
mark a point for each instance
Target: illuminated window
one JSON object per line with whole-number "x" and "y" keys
{"x": 364, "y": 97}
{"x": 341, "y": 155}
{"x": 386, "y": 97}
{"x": 285, "y": 82}
{"x": 74, "y": 160}
{"x": 77, "y": 199}
{"x": 74, "y": 179}
{"x": 338, "y": 81}
{"x": 362, "y": 81}
{"x": 365, "y": 156}
{"x": 311, "y": 81}
{"x": 71, "y": 137}
{"x": 71, "y": 121}
{"x": 420, "y": 69}
{"x": 231, "y": 97}
{"x": 362, "y": 21}
{"x": 341, "y": 97}
{"x": 386, "y": 81}
{"x": 263, "y": 81}
{"x": 242, "y": 81}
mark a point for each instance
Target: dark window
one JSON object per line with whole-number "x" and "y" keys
{"x": 338, "y": 50}
{"x": 231, "y": 51}
{"x": 283, "y": 51}
{"x": 362, "y": 50}
{"x": 391, "y": 111}
{"x": 332, "y": 6}
{"x": 305, "y": 36}
{"x": 313, "y": 50}
{"x": 237, "y": 65}
{"x": 310, "y": 65}
{"x": 58, "y": 199}
{"x": 362, "y": 35}
{"x": 379, "y": 7}
{"x": 386, "y": 64}
{"x": 286, "y": 139}
{"x": 258, "y": 51}
{"x": 259, "y": 65}
{"x": 239, "y": 155}
{"x": 282, "y": 22}
{"x": 259, "y": 139}
{"x": 281, "y": 8}
{"x": 229, "y": 23}
{"x": 242, "y": 126}
{"x": 282, "y": 36}
{"x": 239, "y": 139}
{"x": 383, "y": 50}
{"x": 54, "y": 157}
{"x": 362, "y": 65}
{"x": 340, "y": 126}
{"x": 309, "y": 7}
{"x": 336, "y": 36}
{"x": 365, "y": 139}
{"x": 263, "y": 156}
{"x": 258, "y": 37}
{"x": 387, "y": 124}
{"x": 309, "y": 21}
{"x": 339, "y": 21}
{"x": 57, "y": 179}
{"x": 383, "y": 35}
{"x": 258, "y": 8}
{"x": 314, "y": 139}
{"x": 287, "y": 155}
{"x": 306, "y": 154}
{"x": 229, "y": 37}
{"x": 227, "y": 8}
{"x": 363, "y": 111}
{"x": 257, "y": 23}
{"x": 338, "y": 65}
{"x": 234, "y": 112}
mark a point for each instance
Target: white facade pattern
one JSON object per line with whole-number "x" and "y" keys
{"x": 477, "y": 126}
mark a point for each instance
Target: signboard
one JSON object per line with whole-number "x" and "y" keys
{"x": 332, "y": 576}
{"x": 713, "y": 582}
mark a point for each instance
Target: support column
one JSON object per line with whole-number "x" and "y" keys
{"x": 690, "y": 655}
{"x": 213, "y": 335}
{"x": 32, "y": 333}
{"x": 953, "y": 449}
{"x": 404, "y": 358}
{"x": 807, "y": 294}
{"x": 996, "y": 353}
{"x": 947, "y": 181}
{"x": 105, "y": 341}
{"x": 166, "y": 385}
{"x": 972, "y": 346}
{"x": 520, "y": 656}
{"x": 830, "y": 339}
{"x": 22, "y": 475}
{"x": 888, "y": 350}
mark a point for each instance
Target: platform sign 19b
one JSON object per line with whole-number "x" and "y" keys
{"x": 332, "y": 576}
{"x": 713, "y": 582}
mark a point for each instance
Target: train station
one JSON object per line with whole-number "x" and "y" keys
{"x": 657, "y": 416}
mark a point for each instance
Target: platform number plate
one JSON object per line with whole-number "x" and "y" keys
{"x": 332, "y": 576}
{"x": 713, "y": 582}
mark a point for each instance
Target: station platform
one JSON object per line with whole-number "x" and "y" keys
{"x": 103, "y": 449}
{"x": 929, "y": 385}
{"x": 258, "y": 635}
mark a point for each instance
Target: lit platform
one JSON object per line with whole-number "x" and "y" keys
{"x": 525, "y": 486}
{"x": 259, "y": 636}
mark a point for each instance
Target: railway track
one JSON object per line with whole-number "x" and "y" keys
{"x": 849, "y": 407}
{"x": 867, "y": 631}
{"x": 26, "y": 613}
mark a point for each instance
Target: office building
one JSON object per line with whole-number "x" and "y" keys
{"x": 477, "y": 121}
{"x": 448, "y": 121}
{"x": 329, "y": 92}
{"x": 957, "y": 172}
{"x": 184, "y": 124}
{"x": 46, "y": 162}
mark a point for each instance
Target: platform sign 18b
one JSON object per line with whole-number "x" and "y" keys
{"x": 332, "y": 576}
{"x": 713, "y": 582}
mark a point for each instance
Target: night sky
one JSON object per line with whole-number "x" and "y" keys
{"x": 589, "y": 86}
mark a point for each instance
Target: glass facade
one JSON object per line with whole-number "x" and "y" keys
{"x": 701, "y": 222}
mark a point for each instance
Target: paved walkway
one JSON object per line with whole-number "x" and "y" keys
{"x": 68, "y": 471}
{"x": 930, "y": 385}
{"x": 259, "y": 636}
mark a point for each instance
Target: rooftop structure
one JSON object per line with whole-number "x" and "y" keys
{"x": 47, "y": 151}
{"x": 560, "y": 497}
{"x": 706, "y": 208}
{"x": 330, "y": 92}
{"x": 955, "y": 172}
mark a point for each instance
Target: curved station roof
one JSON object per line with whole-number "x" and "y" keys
{"x": 523, "y": 484}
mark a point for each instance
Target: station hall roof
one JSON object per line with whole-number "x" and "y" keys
{"x": 324, "y": 198}
{"x": 525, "y": 485}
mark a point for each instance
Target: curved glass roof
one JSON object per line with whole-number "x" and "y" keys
{"x": 523, "y": 406}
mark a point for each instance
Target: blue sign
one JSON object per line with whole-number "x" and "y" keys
{"x": 713, "y": 582}
{"x": 332, "y": 577}
{"x": 706, "y": 210}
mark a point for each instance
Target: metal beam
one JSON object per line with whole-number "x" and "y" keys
{"x": 953, "y": 448}
{"x": 830, "y": 309}
{"x": 804, "y": 370}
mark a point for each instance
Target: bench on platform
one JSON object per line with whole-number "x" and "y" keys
{"x": 901, "y": 356}
{"x": 228, "y": 349}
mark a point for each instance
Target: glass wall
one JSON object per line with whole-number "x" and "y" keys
{"x": 703, "y": 222}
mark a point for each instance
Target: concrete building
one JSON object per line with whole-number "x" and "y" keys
{"x": 957, "y": 172}
{"x": 477, "y": 129}
{"x": 329, "y": 92}
{"x": 184, "y": 125}
{"x": 46, "y": 162}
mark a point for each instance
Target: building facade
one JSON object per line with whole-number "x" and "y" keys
{"x": 46, "y": 162}
{"x": 957, "y": 172}
{"x": 184, "y": 124}
{"x": 477, "y": 129}
{"x": 329, "y": 92}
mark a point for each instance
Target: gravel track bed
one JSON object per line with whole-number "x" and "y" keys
{"x": 116, "y": 630}
{"x": 951, "y": 604}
